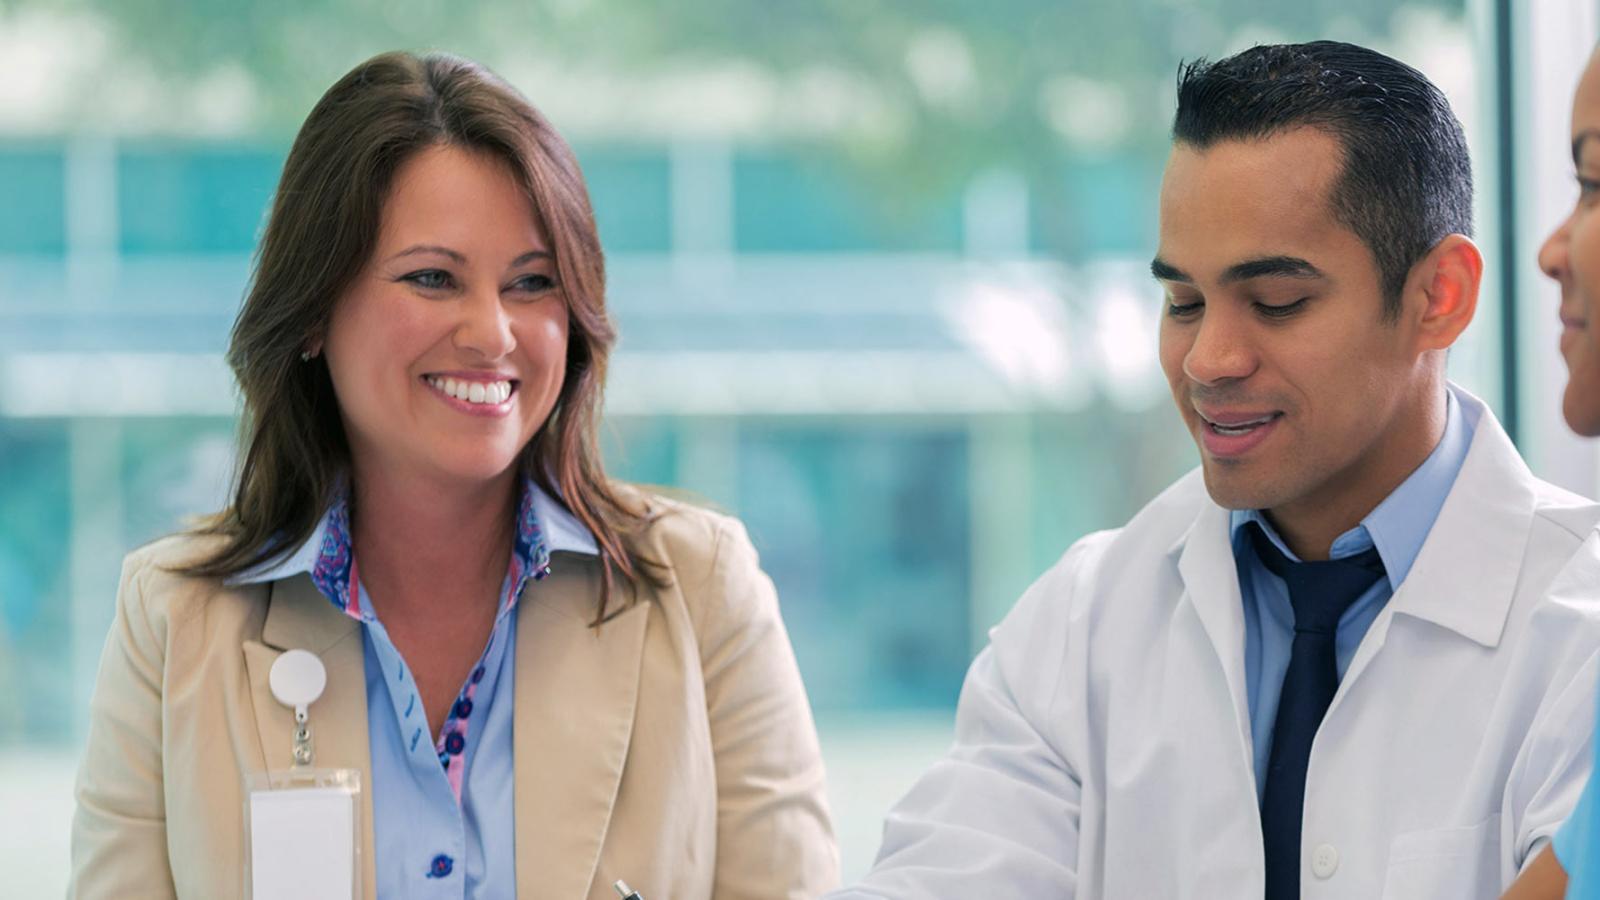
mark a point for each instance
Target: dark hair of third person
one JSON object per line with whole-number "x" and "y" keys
{"x": 1407, "y": 179}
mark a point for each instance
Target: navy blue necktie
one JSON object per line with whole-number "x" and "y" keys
{"x": 1320, "y": 592}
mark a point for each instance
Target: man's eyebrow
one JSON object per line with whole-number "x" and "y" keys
{"x": 1271, "y": 267}
{"x": 1577, "y": 142}
{"x": 1164, "y": 271}
{"x": 1264, "y": 267}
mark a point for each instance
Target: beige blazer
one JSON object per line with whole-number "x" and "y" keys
{"x": 671, "y": 747}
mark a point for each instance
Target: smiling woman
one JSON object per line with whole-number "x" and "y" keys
{"x": 422, "y": 354}
{"x": 1571, "y": 256}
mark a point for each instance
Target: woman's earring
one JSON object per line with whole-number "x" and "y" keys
{"x": 305, "y": 356}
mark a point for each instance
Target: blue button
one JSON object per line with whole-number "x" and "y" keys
{"x": 454, "y": 743}
{"x": 441, "y": 866}
{"x": 477, "y": 675}
{"x": 463, "y": 708}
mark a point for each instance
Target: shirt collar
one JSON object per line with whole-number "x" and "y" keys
{"x": 1400, "y": 524}
{"x": 560, "y": 530}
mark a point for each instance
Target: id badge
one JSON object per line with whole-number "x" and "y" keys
{"x": 302, "y": 834}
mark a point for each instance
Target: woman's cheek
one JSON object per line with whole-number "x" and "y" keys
{"x": 1583, "y": 253}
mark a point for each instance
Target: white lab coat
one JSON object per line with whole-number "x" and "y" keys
{"x": 1103, "y": 737}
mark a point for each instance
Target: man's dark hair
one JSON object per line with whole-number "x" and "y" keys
{"x": 1407, "y": 179}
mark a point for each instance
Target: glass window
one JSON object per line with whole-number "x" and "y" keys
{"x": 34, "y": 221}
{"x": 631, "y": 191}
{"x": 189, "y": 199}
{"x": 786, "y": 203}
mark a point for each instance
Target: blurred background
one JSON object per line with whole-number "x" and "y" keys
{"x": 880, "y": 271}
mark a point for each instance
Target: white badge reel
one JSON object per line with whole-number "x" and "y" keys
{"x": 297, "y": 679}
{"x": 302, "y": 824}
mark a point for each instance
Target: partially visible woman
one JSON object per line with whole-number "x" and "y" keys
{"x": 1571, "y": 256}
{"x": 547, "y": 680}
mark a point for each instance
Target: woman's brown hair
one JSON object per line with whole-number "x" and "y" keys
{"x": 322, "y": 230}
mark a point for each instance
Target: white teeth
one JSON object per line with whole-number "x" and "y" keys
{"x": 490, "y": 392}
{"x": 1242, "y": 427}
{"x": 1250, "y": 424}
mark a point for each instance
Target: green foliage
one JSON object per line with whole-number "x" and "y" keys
{"x": 950, "y": 88}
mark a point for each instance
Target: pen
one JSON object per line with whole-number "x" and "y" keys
{"x": 625, "y": 892}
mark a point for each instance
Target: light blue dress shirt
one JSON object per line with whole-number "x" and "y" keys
{"x": 428, "y": 844}
{"x": 1397, "y": 527}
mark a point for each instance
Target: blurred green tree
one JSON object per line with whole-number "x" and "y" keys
{"x": 915, "y": 98}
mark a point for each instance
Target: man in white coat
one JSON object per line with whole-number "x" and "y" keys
{"x": 1354, "y": 654}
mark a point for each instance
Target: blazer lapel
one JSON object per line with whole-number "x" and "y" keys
{"x": 576, "y": 687}
{"x": 299, "y": 617}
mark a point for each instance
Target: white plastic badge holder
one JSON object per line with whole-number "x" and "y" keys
{"x": 303, "y": 835}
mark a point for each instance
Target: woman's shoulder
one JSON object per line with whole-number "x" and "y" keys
{"x": 155, "y": 584}
{"x": 707, "y": 557}
{"x": 678, "y": 526}
{"x": 174, "y": 551}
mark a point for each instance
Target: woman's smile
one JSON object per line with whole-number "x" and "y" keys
{"x": 484, "y": 394}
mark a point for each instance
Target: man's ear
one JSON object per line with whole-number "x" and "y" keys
{"x": 1446, "y": 280}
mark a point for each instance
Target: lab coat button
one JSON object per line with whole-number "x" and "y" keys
{"x": 1324, "y": 860}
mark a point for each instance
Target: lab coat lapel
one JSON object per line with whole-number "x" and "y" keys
{"x": 1486, "y": 519}
{"x": 1211, "y": 585}
{"x": 299, "y": 617}
{"x": 1465, "y": 576}
{"x": 576, "y": 687}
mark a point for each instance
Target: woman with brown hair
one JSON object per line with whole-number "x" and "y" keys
{"x": 546, "y": 681}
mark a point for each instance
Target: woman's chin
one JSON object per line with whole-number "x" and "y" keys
{"x": 1580, "y": 405}
{"x": 480, "y": 465}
